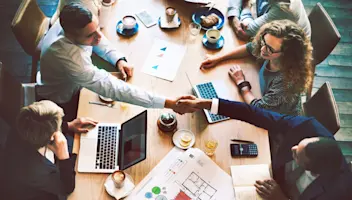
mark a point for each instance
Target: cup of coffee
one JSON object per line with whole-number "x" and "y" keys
{"x": 213, "y": 35}
{"x": 118, "y": 178}
{"x": 129, "y": 22}
{"x": 170, "y": 14}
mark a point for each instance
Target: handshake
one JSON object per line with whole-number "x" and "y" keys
{"x": 188, "y": 104}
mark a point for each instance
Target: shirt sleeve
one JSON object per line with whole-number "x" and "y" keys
{"x": 234, "y": 8}
{"x": 214, "y": 106}
{"x": 83, "y": 73}
{"x": 262, "y": 118}
{"x": 106, "y": 51}
{"x": 274, "y": 13}
{"x": 278, "y": 99}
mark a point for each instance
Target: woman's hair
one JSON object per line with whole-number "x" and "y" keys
{"x": 296, "y": 53}
{"x": 37, "y": 122}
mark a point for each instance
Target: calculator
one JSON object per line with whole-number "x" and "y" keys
{"x": 207, "y": 91}
{"x": 244, "y": 150}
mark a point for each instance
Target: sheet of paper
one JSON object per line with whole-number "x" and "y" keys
{"x": 187, "y": 177}
{"x": 246, "y": 175}
{"x": 164, "y": 59}
{"x": 246, "y": 193}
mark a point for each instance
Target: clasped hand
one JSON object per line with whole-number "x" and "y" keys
{"x": 185, "y": 104}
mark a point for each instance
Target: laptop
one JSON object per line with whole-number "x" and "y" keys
{"x": 109, "y": 146}
{"x": 210, "y": 90}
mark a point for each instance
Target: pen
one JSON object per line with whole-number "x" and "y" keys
{"x": 246, "y": 141}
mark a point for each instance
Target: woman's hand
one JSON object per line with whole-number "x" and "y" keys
{"x": 236, "y": 74}
{"x": 210, "y": 62}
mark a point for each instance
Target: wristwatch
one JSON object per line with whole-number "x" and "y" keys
{"x": 244, "y": 84}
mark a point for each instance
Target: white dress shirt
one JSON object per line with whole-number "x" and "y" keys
{"x": 66, "y": 67}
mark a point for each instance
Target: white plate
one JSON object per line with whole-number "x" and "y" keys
{"x": 177, "y": 138}
{"x": 119, "y": 193}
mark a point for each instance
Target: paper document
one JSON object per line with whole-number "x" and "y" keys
{"x": 164, "y": 59}
{"x": 190, "y": 176}
{"x": 244, "y": 177}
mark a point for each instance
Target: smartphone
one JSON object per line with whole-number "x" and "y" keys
{"x": 146, "y": 18}
{"x": 244, "y": 150}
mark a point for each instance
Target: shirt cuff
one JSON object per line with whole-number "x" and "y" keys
{"x": 215, "y": 106}
{"x": 233, "y": 12}
{"x": 159, "y": 102}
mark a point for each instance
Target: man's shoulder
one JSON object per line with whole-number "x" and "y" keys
{"x": 61, "y": 47}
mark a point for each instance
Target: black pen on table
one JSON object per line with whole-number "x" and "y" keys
{"x": 245, "y": 141}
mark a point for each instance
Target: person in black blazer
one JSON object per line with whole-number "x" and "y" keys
{"x": 308, "y": 163}
{"x": 29, "y": 173}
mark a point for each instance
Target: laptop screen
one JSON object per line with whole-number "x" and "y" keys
{"x": 133, "y": 141}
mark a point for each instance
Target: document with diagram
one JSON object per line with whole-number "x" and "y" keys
{"x": 191, "y": 175}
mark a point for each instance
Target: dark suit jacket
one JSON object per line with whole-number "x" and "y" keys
{"x": 29, "y": 175}
{"x": 293, "y": 129}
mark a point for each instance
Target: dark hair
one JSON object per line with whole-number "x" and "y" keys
{"x": 324, "y": 156}
{"x": 75, "y": 16}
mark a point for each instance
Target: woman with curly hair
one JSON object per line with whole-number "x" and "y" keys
{"x": 286, "y": 72}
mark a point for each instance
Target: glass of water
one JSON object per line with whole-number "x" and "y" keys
{"x": 210, "y": 146}
{"x": 194, "y": 28}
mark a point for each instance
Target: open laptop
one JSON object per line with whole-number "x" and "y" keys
{"x": 210, "y": 90}
{"x": 109, "y": 146}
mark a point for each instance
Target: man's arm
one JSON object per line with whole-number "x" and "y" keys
{"x": 234, "y": 8}
{"x": 106, "y": 51}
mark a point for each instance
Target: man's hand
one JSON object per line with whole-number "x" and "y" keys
{"x": 210, "y": 61}
{"x": 196, "y": 103}
{"x": 181, "y": 108}
{"x": 125, "y": 68}
{"x": 269, "y": 189}
{"x": 59, "y": 147}
{"x": 81, "y": 125}
{"x": 236, "y": 74}
{"x": 239, "y": 28}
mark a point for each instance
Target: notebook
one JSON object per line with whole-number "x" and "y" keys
{"x": 244, "y": 177}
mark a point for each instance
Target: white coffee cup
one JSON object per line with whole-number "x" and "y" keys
{"x": 129, "y": 22}
{"x": 213, "y": 35}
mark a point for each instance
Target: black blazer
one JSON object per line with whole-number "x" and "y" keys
{"x": 29, "y": 175}
{"x": 293, "y": 129}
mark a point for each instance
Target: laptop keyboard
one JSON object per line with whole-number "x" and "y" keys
{"x": 106, "y": 147}
{"x": 207, "y": 91}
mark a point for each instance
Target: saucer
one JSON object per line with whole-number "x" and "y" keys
{"x": 176, "y": 138}
{"x": 119, "y": 193}
{"x": 204, "y": 11}
{"x": 171, "y": 27}
{"x": 105, "y": 99}
{"x": 126, "y": 32}
{"x": 218, "y": 45}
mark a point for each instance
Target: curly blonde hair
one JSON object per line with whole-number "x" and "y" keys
{"x": 296, "y": 49}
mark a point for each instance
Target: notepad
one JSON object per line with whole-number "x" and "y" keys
{"x": 244, "y": 177}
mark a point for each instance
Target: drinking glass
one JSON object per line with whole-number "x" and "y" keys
{"x": 210, "y": 146}
{"x": 194, "y": 28}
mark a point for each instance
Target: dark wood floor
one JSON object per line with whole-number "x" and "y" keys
{"x": 337, "y": 68}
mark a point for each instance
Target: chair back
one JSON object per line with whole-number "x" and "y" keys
{"x": 29, "y": 26}
{"x": 325, "y": 35}
{"x": 13, "y": 96}
{"x": 323, "y": 107}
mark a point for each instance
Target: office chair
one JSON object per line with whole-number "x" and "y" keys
{"x": 325, "y": 36}
{"x": 322, "y": 106}
{"x": 29, "y": 26}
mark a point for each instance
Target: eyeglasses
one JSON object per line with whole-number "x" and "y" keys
{"x": 268, "y": 48}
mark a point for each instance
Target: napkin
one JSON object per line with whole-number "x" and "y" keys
{"x": 118, "y": 193}
{"x": 174, "y": 24}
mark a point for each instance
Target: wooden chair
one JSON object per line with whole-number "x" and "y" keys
{"x": 323, "y": 107}
{"x": 29, "y": 26}
{"x": 325, "y": 36}
{"x": 13, "y": 96}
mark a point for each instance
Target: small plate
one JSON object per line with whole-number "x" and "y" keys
{"x": 203, "y": 11}
{"x": 126, "y": 32}
{"x": 105, "y": 99}
{"x": 217, "y": 45}
{"x": 179, "y": 24}
{"x": 119, "y": 193}
{"x": 176, "y": 138}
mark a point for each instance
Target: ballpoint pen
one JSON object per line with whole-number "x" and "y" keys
{"x": 101, "y": 104}
{"x": 246, "y": 141}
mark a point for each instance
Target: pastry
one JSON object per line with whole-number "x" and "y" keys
{"x": 209, "y": 20}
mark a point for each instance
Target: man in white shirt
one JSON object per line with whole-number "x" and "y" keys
{"x": 66, "y": 67}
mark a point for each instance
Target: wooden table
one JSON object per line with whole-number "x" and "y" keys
{"x": 91, "y": 186}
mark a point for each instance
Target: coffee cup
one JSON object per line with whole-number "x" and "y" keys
{"x": 170, "y": 14}
{"x": 129, "y": 22}
{"x": 118, "y": 178}
{"x": 213, "y": 35}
